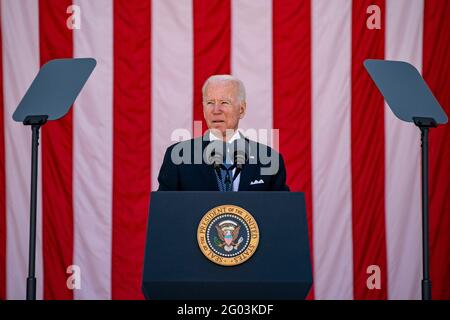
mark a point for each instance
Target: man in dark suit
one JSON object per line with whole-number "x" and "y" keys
{"x": 185, "y": 166}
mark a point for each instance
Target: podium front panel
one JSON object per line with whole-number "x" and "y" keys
{"x": 175, "y": 267}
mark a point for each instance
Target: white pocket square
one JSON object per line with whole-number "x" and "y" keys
{"x": 257, "y": 182}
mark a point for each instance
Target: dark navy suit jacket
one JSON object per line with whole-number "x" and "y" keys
{"x": 202, "y": 177}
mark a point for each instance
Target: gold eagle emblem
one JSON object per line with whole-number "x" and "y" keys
{"x": 228, "y": 235}
{"x": 228, "y": 232}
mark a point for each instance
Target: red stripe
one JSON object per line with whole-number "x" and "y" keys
{"x": 2, "y": 183}
{"x": 57, "y": 146}
{"x": 367, "y": 140}
{"x": 292, "y": 94}
{"x": 212, "y": 46}
{"x": 132, "y": 144}
{"x": 436, "y": 71}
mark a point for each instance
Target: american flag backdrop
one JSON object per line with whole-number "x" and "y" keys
{"x": 301, "y": 63}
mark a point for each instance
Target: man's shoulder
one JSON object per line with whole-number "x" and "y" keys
{"x": 256, "y": 146}
{"x": 186, "y": 143}
{"x": 185, "y": 152}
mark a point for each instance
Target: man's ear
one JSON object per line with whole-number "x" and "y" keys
{"x": 204, "y": 111}
{"x": 242, "y": 109}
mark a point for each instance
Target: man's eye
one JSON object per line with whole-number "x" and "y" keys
{"x": 225, "y": 102}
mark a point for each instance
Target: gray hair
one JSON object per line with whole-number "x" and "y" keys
{"x": 226, "y": 78}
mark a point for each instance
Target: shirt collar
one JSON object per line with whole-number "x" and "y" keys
{"x": 235, "y": 136}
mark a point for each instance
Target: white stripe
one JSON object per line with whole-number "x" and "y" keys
{"x": 92, "y": 154}
{"x": 251, "y": 61}
{"x": 172, "y": 63}
{"x": 21, "y": 64}
{"x": 332, "y": 220}
{"x": 404, "y": 26}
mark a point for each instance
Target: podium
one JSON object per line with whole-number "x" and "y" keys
{"x": 227, "y": 246}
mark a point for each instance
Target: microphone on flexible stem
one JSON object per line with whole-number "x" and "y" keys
{"x": 215, "y": 156}
{"x": 217, "y": 160}
{"x": 240, "y": 158}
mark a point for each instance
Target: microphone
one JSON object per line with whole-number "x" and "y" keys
{"x": 240, "y": 153}
{"x": 215, "y": 153}
{"x": 240, "y": 158}
{"x": 217, "y": 158}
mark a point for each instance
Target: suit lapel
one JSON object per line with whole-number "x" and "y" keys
{"x": 249, "y": 171}
{"x": 207, "y": 173}
{"x": 209, "y": 177}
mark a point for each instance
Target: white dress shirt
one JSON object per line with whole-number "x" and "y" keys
{"x": 235, "y": 136}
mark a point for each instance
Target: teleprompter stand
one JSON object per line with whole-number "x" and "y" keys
{"x": 49, "y": 97}
{"x": 411, "y": 100}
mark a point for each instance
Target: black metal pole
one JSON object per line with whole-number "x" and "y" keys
{"x": 31, "y": 280}
{"x": 426, "y": 282}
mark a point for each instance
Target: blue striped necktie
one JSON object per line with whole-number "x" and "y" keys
{"x": 225, "y": 182}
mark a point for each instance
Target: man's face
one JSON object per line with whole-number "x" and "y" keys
{"x": 221, "y": 107}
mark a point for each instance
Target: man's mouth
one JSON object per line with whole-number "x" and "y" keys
{"x": 218, "y": 121}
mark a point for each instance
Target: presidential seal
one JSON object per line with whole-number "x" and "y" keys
{"x": 228, "y": 235}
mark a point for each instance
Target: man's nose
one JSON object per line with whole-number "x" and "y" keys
{"x": 217, "y": 108}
